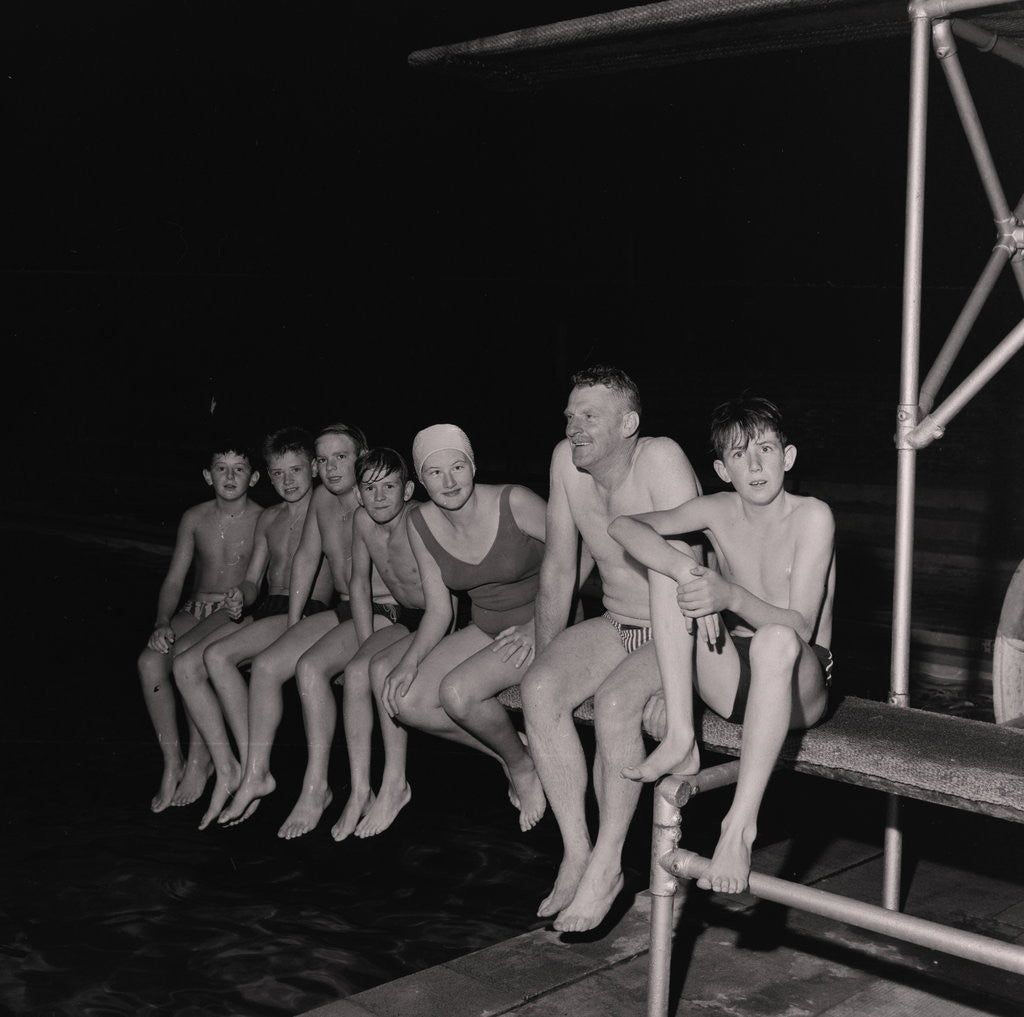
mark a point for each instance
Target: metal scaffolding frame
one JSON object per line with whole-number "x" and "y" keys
{"x": 678, "y": 30}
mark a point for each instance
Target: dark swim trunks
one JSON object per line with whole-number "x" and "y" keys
{"x": 742, "y": 644}
{"x": 410, "y": 617}
{"x": 277, "y": 603}
{"x": 343, "y": 609}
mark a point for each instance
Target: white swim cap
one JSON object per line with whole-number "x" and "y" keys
{"x": 440, "y": 438}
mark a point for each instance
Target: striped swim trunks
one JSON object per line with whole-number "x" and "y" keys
{"x": 632, "y": 637}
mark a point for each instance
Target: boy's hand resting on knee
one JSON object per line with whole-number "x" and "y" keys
{"x": 701, "y": 599}
{"x": 234, "y": 603}
{"x": 162, "y": 639}
{"x": 396, "y": 685}
{"x": 514, "y": 643}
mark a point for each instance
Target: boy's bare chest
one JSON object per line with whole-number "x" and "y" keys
{"x": 758, "y": 558}
{"x": 226, "y": 540}
{"x": 393, "y": 557}
{"x": 335, "y": 531}
{"x": 283, "y": 537}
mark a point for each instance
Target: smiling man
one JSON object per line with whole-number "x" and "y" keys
{"x": 601, "y": 467}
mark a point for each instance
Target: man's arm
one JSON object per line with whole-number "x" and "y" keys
{"x": 558, "y": 570}
{"x": 305, "y": 562}
{"x": 360, "y": 590}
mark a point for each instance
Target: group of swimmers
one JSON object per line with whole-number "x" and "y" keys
{"x": 728, "y": 594}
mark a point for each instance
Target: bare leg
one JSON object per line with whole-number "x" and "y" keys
{"x": 270, "y": 670}
{"x": 618, "y": 709}
{"x": 677, "y": 752}
{"x": 158, "y": 694}
{"x": 313, "y": 674}
{"x": 191, "y": 677}
{"x": 467, "y": 694}
{"x": 786, "y": 689}
{"x": 221, "y": 658}
{"x": 569, "y": 670}
{"x": 198, "y": 763}
{"x": 361, "y": 814}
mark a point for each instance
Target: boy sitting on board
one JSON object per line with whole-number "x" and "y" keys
{"x": 217, "y": 537}
{"x": 766, "y": 665}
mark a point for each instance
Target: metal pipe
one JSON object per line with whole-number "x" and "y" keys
{"x": 892, "y": 854}
{"x": 670, "y": 795}
{"x": 906, "y": 414}
{"x": 968, "y": 945}
{"x": 988, "y": 42}
{"x": 961, "y": 329}
{"x": 945, "y": 50}
{"x": 934, "y": 425}
{"x": 933, "y": 9}
{"x": 659, "y": 963}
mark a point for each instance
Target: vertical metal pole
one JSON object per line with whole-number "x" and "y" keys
{"x": 906, "y": 418}
{"x": 669, "y": 795}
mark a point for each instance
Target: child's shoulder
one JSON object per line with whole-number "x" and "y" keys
{"x": 811, "y": 512}
{"x": 197, "y": 514}
{"x": 271, "y": 513}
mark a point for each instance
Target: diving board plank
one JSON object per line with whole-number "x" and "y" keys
{"x": 964, "y": 764}
{"x": 679, "y": 31}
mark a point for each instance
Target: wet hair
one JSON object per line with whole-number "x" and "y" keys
{"x": 611, "y": 377}
{"x": 288, "y": 439}
{"x": 745, "y": 416}
{"x": 375, "y": 463}
{"x": 219, "y": 444}
{"x": 355, "y": 433}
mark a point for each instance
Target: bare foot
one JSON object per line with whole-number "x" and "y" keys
{"x": 531, "y": 801}
{"x": 729, "y": 871}
{"x": 168, "y": 785}
{"x": 385, "y": 809}
{"x": 356, "y": 807}
{"x": 224, "y": 787}
{"x": 671, "y": 756}
{"x": 193, "y": 782}
{"x": 594, "y": 897}
{"x": 246, "y": 799}
{"x": 306, "y": 814}
{"x": 568, "y": 879}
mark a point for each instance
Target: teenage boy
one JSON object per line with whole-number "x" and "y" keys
{"x": 380, "y": 541}
{"x": 767, "y": 665}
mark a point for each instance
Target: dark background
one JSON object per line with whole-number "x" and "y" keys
{"x": 268, "y": 208}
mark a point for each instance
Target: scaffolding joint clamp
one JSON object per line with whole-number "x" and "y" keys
{"x": 906, "y": 421}
{"x": 1010, "y": 235}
